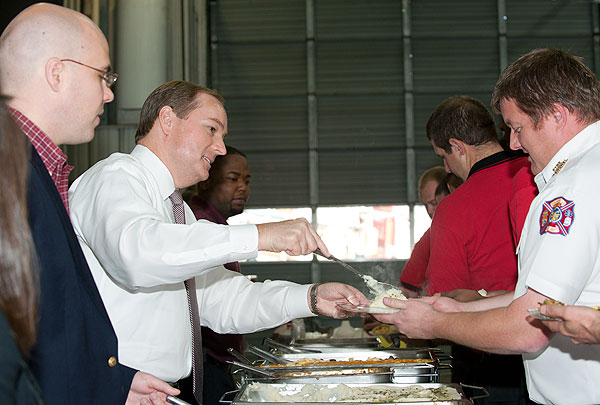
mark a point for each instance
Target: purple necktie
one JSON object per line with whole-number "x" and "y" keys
{"x": 190, "y": 287}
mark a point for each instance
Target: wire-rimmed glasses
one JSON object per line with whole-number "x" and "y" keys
{"x": 109, "y": 77}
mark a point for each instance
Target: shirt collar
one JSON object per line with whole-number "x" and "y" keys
{"x": 52, "y": 156}
{"x": 208, "y": 209}
{"x": 581, "y": 142}
{"x": 492, "y": 160}
{"x": 161, "y": 173}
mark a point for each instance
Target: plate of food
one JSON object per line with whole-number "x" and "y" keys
{"x": 366, "y": 309}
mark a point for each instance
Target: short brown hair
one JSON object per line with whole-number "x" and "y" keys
{"x": 435, "y": 173}
{"x": 543, "y": 77}
{"x": 461, "y": 117}
{"x": 180, "y": 95}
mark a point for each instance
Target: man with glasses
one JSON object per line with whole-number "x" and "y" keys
{"x": 55, "y": 69}
{"x": 109, "y": 77}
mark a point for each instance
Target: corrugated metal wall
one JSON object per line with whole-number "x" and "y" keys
{"x": 337, "y": 64}
{"x": 366, "y": 75}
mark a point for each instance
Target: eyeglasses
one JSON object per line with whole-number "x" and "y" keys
{"x": 108, "y": 77}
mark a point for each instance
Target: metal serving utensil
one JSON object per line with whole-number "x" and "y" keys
{"x": 341, "y": 263}
{"x": 265, "y": 355}
{"x": 176, "y": 401}
{"x": 238, "y": 355}
{"x": 253, "y": 369}
{"x": 285, "y": 348}
{"x": 375, "y": 286}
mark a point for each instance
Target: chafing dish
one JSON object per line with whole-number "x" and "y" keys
{"x": 412, "y": 375}
{"x": 348, "y": 393}
{"x": 376, "y": 366}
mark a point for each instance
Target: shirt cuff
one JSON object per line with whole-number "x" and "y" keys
{"x": 244, "y": 241}
{"x": 297, "y": 302}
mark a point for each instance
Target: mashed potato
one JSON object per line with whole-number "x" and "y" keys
{"x": 391, "y": 293}
{"x": 311, "y": 393}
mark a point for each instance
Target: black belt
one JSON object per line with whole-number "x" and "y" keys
{"x": 183, "y": 383}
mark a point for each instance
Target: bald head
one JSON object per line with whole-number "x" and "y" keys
{"x": 37, "y": 34}
{"x": 42, "y": 84}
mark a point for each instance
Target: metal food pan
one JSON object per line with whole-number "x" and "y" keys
{"x": 414, "y": 375}
{"x": 323, "y": 368}
{"x": 363, "y": 342}
{"x": 424, "y": 354}
{"x": 423, "y": 373}
{"x": 343, "y": 362}
{"x": 369, "y": 378}
{"x": 252, "y": 394}
{"x": 406, "y": 373}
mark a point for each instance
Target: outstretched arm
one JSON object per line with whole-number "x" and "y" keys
{"x": 504, "y": 329}
{"x": 264, "y": 305}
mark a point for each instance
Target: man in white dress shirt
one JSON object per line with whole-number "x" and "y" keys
{"x": 551, "y": 102}
{"x": 139, "y": 257}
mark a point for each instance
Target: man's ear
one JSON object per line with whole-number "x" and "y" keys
{"x": 459, "y": 146}
{"x": 55, "y": 73}
{"x": 166, "y": 119}
{"x": 560, "y": 115}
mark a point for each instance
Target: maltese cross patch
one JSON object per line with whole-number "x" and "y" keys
{"x": 557, "y": 216}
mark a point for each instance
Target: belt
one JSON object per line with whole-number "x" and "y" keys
{"x": 183, "y": 383}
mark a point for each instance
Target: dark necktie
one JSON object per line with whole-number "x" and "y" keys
{"x": 190, "y": 287}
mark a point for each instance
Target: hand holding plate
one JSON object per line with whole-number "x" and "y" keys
{"x": 581, "y": 324}
{"x": 329, "y": 294}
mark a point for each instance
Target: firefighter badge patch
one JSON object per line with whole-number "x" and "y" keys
{"x": 557, "y": 216}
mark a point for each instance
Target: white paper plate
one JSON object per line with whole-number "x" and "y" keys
{"x": 538, "y": 315}
{"x": 365, "y": 309}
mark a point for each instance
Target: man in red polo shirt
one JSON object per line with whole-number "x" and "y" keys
{"x": 472, "y": 245}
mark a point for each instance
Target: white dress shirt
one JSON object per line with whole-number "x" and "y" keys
{"x": 139, "y": 258}
{"x": 562, "y": 262}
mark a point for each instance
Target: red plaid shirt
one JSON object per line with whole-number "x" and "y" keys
{"x": 54, "y": 159}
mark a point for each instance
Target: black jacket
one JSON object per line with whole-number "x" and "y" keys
{"x": 76, "y": 341}
{"x": 17, "y": 385}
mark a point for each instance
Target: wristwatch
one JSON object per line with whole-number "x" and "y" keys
{"x": 313, "y": 299}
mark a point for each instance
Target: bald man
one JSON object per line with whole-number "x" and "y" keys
{"x": 54, "y": 66}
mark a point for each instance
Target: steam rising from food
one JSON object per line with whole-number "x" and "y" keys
{"x": 380, "y": 292}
